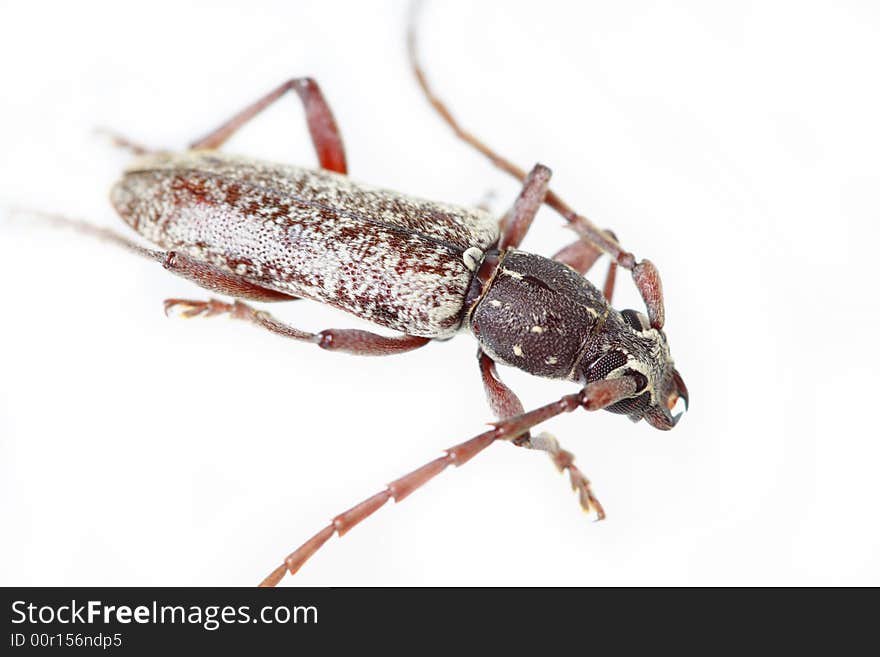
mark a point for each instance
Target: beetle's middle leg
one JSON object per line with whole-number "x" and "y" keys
{"x": 322, "y": 126}
{"x": 518, "y": 220}
{"x": 505, "y": 404}
{"x": 644, "y": 272}
{"x": 579, "y": 255}
{"x": 352, "y": 341}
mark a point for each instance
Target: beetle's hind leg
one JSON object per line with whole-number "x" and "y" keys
{"x": 505, "y": 404}
{"x": 216, "y": 280}
{"x": 322, "y": 126}
{"x": 352, "y": 341}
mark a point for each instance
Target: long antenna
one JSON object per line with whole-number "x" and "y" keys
{"x": 86, "y": 228}
{"x": 580, "y": 224}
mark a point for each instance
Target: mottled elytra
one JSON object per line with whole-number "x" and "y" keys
{"x": 258, "y": 231}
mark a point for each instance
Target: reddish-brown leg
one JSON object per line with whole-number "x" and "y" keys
{"x": 353, "y": 341}
{"x": 505, "y": 403}
{"x": 611, "y": 274}
{"x": 502, "y": 400}
{"x": 322, "y": 125}
{"x": 519, "y": 219}
{"x": 610, "y": 277}
{"x": 644, "y": 273}
{"x": 593, "y": 397}
{"x": 564, "y": 462}
{"x": 216, "y": 280}
{"x": 580, "y": 256}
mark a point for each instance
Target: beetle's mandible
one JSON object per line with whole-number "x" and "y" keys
{"x": 266, "y": 232}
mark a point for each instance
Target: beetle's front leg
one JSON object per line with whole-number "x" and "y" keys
{"x": 564, "y": 462}
{"x": 352, "y": 341}
{"x": 594, "y": 396}
{"x": 581, "y": 255}
{"x": 505, "y": 404}
{"x": 322, "y": 126}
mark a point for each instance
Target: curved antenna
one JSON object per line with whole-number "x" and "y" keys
{"x": 580, "y": 224}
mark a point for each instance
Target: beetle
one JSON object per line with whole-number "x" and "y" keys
{"x": 266, "y": 232}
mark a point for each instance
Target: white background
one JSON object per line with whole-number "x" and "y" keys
{"x": 735, "y": 144}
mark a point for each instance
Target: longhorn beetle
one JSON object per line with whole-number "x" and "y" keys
{"x": 267, "y": 232}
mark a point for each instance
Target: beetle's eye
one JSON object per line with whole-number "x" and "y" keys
{"x": 636, "y": 320}
{"x": 605, "y": 365}
{"x": 631, "y": 406}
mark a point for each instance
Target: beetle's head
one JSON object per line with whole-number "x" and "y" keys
{"x": 637, "y": 350}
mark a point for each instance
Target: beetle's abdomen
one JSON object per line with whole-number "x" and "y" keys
{"x": 389, "y": 259}
{"x": 538, "y": 315}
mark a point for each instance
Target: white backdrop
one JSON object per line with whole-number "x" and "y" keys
{"x": 735, "y": 144}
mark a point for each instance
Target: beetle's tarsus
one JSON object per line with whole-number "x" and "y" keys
{"x": 564, "y": 461}
{"x": 189, "y": 309}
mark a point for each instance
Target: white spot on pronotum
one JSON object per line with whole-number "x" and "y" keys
{"x": 472, "y": 258}
{"x": 537, "y": 329}
{"x": 512, "y": 274}
{"x": 241, "y": 269}
{"x": 518, "y": 350}
{"x": 495, "y": 303}
{"x": 551, "y": 360}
